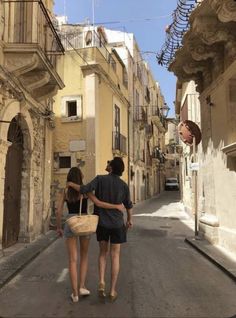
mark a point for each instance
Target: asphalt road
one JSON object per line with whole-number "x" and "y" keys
{"x": 161, "y": 276}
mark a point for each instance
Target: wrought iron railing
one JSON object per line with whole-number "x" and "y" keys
{"x": 28, "y": 22}
{"x": 176, "y": 30}
{"x": 140, "y": 114}
{"x": 119, "y": 142}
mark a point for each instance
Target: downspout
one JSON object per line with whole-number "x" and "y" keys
{"x": 128, "y": 143}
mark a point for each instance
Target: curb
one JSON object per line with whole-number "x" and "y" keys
{"x": 14, "y": 263}
{"x": 217, "y": 258}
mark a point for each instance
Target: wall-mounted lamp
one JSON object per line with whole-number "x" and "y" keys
{"x": 208, "y": 101}
{"x": 164, "y": 110}
{"x": 132, "y": 173}
{"x": 144, "y": 176}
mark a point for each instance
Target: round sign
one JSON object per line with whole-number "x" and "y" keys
{"x": 187, "y": 129}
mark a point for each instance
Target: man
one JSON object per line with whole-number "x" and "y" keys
{"x": 108, "y": 167}
{"x": 111, "y": 227}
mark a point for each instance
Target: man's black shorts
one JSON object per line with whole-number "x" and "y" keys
{"x": 115, "y": 235}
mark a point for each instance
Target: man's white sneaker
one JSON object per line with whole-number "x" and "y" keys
{"x": 74, "y": 299}
{"x": 84, "y": 292}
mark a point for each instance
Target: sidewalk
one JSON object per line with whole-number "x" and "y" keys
{"x": 168, "y": 208}
{"x": 16, "y": 258}
{"x": 215, "y": 255}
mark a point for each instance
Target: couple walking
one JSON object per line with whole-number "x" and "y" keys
{"x": 111, "y": 198}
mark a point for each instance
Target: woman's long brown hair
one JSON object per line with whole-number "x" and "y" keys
{"x": 75, "y": 176}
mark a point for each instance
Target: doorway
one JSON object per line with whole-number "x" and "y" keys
{"x": 12, "y": 187}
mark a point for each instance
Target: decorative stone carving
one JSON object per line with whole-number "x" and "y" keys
{"x": 44, "y": 92}
{"x": 230, "y": 50}
{"x": 226, "y": 10}
{"x": 210, "y": 30}
{"x": 35, "y": 79}
{"x": 21, "y": 63}
{"x": 1, "y": 20}
{"x": 201, "y": 51}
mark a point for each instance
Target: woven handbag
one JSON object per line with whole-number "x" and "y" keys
{"x": 83, "y": 224}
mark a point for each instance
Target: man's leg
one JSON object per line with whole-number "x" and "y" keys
{"x": 102, "y": 261}
{"x": 115, "y": 267}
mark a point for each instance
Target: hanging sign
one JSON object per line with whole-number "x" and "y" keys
{"x": 187, "y": 130}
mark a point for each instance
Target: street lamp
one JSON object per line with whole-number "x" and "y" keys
{"x": 164, "y": 110}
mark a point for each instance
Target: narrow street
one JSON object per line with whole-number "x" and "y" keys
{"x": 161, "y": 276}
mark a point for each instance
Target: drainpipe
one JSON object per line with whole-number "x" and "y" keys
{"x": 128, "y": 144}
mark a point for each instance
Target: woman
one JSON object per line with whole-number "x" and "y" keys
{"x": 72, "y": 198}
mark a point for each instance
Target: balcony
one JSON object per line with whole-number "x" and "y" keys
{"x": 140, "y": 114}
{"x": 31, "y": 46}
{"x": 158, "y": 120}
{"x": 149, "y": 131}
{"x": 119, "y": 142}
{"x": 158, "y": 156}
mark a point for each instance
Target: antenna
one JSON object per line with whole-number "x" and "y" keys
{"x": 93, "y": 8}
{"x": 64, "y": 8}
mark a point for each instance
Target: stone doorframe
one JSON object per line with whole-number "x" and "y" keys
{"x": 8, "y": 112}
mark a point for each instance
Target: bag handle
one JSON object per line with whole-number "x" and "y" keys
{"x": 80, "y": 205}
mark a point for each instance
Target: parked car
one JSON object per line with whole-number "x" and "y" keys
{"x": 171, "y": 184}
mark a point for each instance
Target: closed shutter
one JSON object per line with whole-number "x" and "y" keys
{"x": 63, "y": 107}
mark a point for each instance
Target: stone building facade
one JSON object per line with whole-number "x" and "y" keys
{"x": 187, "y": 107}
{"x": 92, "y": 110}
{"x": 28, "y": 80}
{"x": 146, "y": 124}
{"x": 208, "y": 57}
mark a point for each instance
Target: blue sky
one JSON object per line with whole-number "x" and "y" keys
{"x": 131, "y": 16}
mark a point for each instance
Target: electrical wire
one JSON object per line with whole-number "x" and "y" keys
{"x": 134, "y": 20}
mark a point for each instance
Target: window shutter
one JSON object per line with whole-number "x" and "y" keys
{"x": 63, "y": 107}
{"x": 79, "y": 106}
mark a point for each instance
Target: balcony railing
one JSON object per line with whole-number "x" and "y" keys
{"x": 78, "y": 39}
{"x": 119, "y": 142}
{"x": 140, "y": 114}
{"x": 28, "y": 22}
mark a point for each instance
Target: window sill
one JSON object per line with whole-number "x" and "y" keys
{"x": 230, "y": 150}
{"x": 71, "y": 119}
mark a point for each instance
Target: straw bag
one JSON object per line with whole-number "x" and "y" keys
{"x": 83, "y": 224}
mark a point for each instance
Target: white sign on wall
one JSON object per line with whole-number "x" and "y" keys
{"x": 77, "y": 145}
{"x": 194, "y": 166}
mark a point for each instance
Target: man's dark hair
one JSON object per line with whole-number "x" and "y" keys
{"x": 117, "y": 166}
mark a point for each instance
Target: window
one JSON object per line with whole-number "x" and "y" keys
{"x": 137, "y": 114}
{"x": 147, "y": 97}
{"x": 64, "y": 162}
{"x": 71, "y": 108}
{"x": 139, "y": 73}
{"x": 125, "y": 77}
{"x": 117, "y": 119}
{"x": 112, "y": 62}
{"x": 116, "y": 133}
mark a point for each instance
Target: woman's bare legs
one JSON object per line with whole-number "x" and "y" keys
{"x": 73, "y": 257}
{"x": 84, "y": 245}
{"x": 102, "y": 261}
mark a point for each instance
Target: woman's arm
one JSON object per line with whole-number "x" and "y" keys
{"x": 59, "y": 209}
{"x": 73, "y": 185}
{"x": 105, "y": 205}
